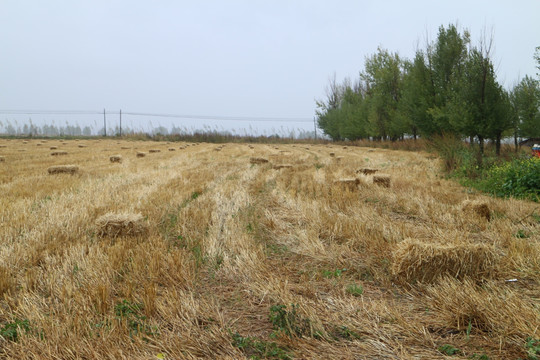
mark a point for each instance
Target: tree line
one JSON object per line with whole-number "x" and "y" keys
{"x": 450, "y": 87}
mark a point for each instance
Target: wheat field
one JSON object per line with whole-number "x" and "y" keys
{"x": 215, "y": 254}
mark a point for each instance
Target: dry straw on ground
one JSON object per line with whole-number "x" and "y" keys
{"x": 63, "y": 169}
{"x": 115, "y": 158}
{"x": 121, "y": 224}
{"x": 258, "y": 160}
{"x": 418, "y": 261}
{"x": 59, "y": 153}
{"x": 382, "y": 180}
{"x": 477, "y": 207}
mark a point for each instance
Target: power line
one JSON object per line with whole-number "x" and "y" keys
{"x": 177, "y": 116}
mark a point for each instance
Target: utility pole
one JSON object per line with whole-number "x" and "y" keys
{"x": 120, "y": 122}
{"x": 315, "y": 126}
{"x": 104, "y": 123}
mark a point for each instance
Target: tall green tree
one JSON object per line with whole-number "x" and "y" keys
{"x": 382, "y": 77}
{"x": 526, "y": 101}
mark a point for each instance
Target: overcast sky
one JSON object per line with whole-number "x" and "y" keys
{"x": 226, "y": 58}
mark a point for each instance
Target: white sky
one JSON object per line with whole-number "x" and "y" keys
{"x": 226, "y": 58}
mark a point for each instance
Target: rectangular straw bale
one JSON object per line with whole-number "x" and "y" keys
{"x": 58, "y": 153}
{"x": 115, "y": 158}
{"x": 281, "y": 166}
{"x": 121, "y": 224}
{"x": 476, "y": 207}
{"x": 351, "y": 184}
{"x": 154, "y": 150}
{"x": 53, "y": 147}
{"x": 141, "y": 154}
{"x": 258, "y": 160}
{"x": 382, "y": 180}
{"x": 63, "y": 169}
{"x": 417, "y": 261}
{"x": 367, "y": 171}
{"x": 172, "y": 149}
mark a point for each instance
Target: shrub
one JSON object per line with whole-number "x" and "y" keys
{"x": 519, "y": 178}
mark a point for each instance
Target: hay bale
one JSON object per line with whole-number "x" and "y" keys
{"x": 141, "y": 154}
{"x": 125, "y": 148}
{"x": 116, "y": 158}
{"x": 417, "y": 261}
{"x": 367, "y": 171}
{"x": 53, "y": 147}
{"x": 258, "y": 160}
{"x": 3, "y": 146}
{"x": 332, "y": 154}
{"x": 339, "y": 158}
{"x": 476, "y": 207}
{"x": 63, "y": 169}
{"x": 382, "y": 180}
{"x": 351, "y": 184}
{"x": 2, "y": 159}
{"x": 121, "y": 224}
{"x": 39, "y": 144}
{"x": 344, "y": 148}
{"x": 82, "y": 146}
{"x": 58, "y": 153}
{"x": 154, "y": 150}
{"x": 281, "y": 166}
{"x": 172, "y": 149}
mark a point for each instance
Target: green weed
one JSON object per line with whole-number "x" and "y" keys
{"x": 11, "y": 331}
{"x": 449, "y": 350}
{"x": 355, "y": 290}
{"x": 258, "y": 349}
{"x": 289, "y": 321}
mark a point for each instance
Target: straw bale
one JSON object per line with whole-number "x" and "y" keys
{"x": 344, "y": 148}
{"x": 2, "y": 159}
{"x": 258, "y": 160}
{"x": 3, "y": 146}
{"x": 382, "y": 180}
{"x": 125, "y": 148}
{"x": 39, "y": 144}
{"x": 25, "y": 142}
{"x": 217, "y": 149}
{"x": 281, "y": 166}
{"x": 477, "y": 207}
{"x": 172, "y": 149}
{"x": 367, "y": 171}
{"x": 58, "y": 153}
{"x": 332, "y": 154}
{"x": 154, "y": 150}
{"x": 63, "y": 169}
{"x": 53, "y": 147}
{"x": 121, "y": 224}
{"x": 116, "y": 158}
{"x": 141, "y": 154}
{"x": 417, "y": 261}
{"x": 339, "y": 158}
{"x": 351, "y": 184}
{"x": 82, "y": 146}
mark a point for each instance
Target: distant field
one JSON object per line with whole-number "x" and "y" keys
{"x": 229, "y": 259}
